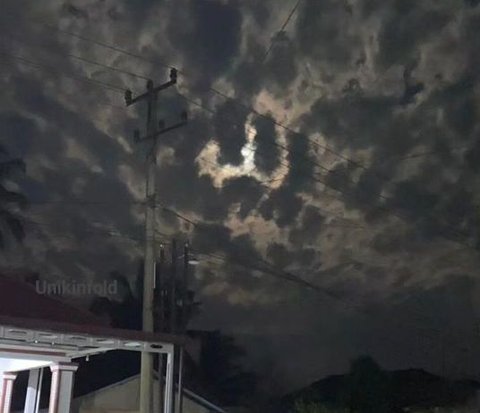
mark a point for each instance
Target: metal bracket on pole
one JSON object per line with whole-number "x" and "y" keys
{"x": 130, "y": 100}
{"x": 162, "y": 129}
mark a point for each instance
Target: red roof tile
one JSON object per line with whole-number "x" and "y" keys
{"x": 19, "y": 299}
{"x": 21, "y": 306}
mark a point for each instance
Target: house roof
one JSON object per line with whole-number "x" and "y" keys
{"x": 22, "y": 307}
{"x": 19, "y": 299}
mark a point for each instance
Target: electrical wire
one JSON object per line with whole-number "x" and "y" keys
{"x": 331, "y": 295}
{"x": 261, "y": 264}
{"x": 216, "y": 91}
{"x": 19, "y": 40}
{"x": 51, "y": 69}
{"x": 269, "y": 118}
{"x": 105, "y": 45}
{"x": 399, "y": 215}
{"x": 284, "y": 25}
{"x": 269, "y": 188}
{"x": 251, "y": 130}
{"x": 94, "y": 231}
{"x": 115, "y": 88}
{"x": 81, "y": 202}
{"x": 419, "y": 155}
{"x": 118, "y": 50}
{"x": 183, "y": 73}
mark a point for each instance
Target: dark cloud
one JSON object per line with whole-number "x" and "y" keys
{"x": 321, "y": 33}
{"x": 472, "y": 3}
{"x": 459, "y": 102}
{"x": 412, "y": 87}
{"x": 407, "y": 25}
{"x": 248, "y": 75}
{"x": 77, "y": 12}
{"x": 211, "y": 237}
{"x": 309, "y": 230}
{"x": 369, "y": 7}
{"x": 280, "y": 65}
{"x": 267, "y": 153}
{"x": 244, "y": 190}
{"x": 301, "y": 163}
{"x": 306, "y": 256}
{"x": 472, "y": 156}
{"x": 388, "y": 243}
{"x": 328, "y": 116}
{"x": 217, "y": 28}
{"x": 283, "y": 206}
{"x": 183, "y": 189}
{"x": 279, "y": 254}
{"x": 230, "y": 132}
{"x": 356, "y": 100}
{"x": 18, "y": 132}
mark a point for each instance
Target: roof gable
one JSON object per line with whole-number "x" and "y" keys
{"x": 20, "y": 300}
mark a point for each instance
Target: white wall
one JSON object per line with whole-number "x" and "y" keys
{"x": 123, "y": 397}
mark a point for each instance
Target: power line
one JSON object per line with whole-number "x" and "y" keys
{"x": 290, "y": 16}
{"x": 250, "y": 130}
{"x": 386, "y": 199}
{"x": 250, "y": 109}
{"x": 97, "y": 102}
{"x": 181, "y": 72}
{"x": 216, "y": 91}
{"x": 250, "y": 265}
{"x": 91, "y": 230}
{"x": 237, "y": 262}
{"x": 79, "y": 58}
{"x": 81, "y": 202}
{"x": 284, "y": 25}
{"x": 419, "y": 154}
{"x": 267, "y": 187}
{"x": 262, "y": 265}
{"x": 331, "y": 295}
{"x": 42, "y": 66}
{"x": 105, "y": 45}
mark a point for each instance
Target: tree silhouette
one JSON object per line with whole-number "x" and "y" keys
{"x": 127, "y": 312}
{"x": 220, "y": 364}
{"x": 10, "y": 201}
{"x": 368, "y": 387}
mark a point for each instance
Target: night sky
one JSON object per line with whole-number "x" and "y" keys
{"x": 360, "y": 176}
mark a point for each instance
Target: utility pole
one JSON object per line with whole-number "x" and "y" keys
{"x": 173, "y": 298}
{"x": 160, "y": 306}
{"x": 153, "y": 131}
{"x": 183, "y": 325}
{"x": 173, "y": 289}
